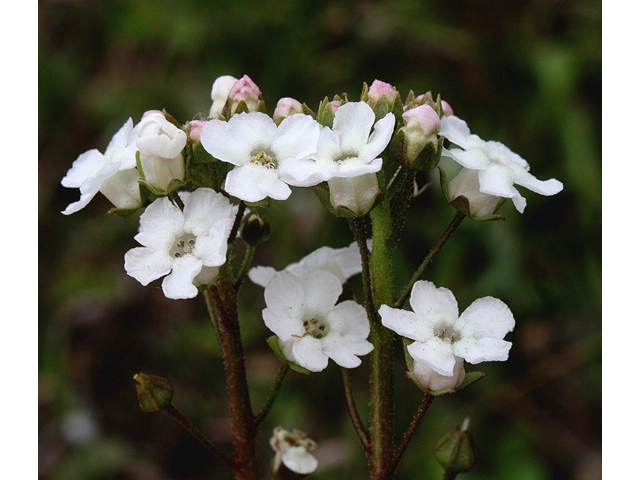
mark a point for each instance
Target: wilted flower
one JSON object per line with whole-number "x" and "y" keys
{"x": 441, "y": 337}
{"x": 185, "y": 245}
{"x": 113, "y": 173}
{"x": 293, "y": 450}
{"x": 302, "y": 312}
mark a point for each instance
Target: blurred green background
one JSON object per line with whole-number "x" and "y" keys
{"x": 525, "y": 73}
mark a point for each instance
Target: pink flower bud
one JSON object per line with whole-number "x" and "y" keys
{"x": 379, "y": 89}
{"x": 446, "y": 108}
{"x": 423, "y": 120}
{"x": 245, "y": 90}
{"x": 335, "y": 104}
{"x": 196, "y": 130}
{"x": 286, "y": 106}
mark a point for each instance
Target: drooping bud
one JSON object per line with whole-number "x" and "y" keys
{"x": 154, "y": 392}
{"x": 255, "y": 229}
{"x": 456, "y": 451}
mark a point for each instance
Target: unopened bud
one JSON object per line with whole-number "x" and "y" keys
{"x": 286, "y": 106}
{"x": 456, "y": 451}
{"x": 154, "y": 393}
{"x": 255, "y": 229}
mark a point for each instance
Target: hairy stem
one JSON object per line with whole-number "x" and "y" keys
{"x": 189, "y": 427}
{"x": 359, "y": 427}
{"x": 224, "y": 298}
{"x": 381, "y": 392}
{"x": 413, "y": 426}
{"x": 262, "y": 414}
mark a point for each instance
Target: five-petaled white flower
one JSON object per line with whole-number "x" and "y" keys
{"x": 349, "y": 148}
{"x": 113, "y": 173}
{"x": 342, "y": 262}
{"x": 184, "y": 244}
{"x": 441, "y": 336}
{"x": 302, "y": 312}
{"x": 293, "y": 450}
{"x": 263, "y": 153}
{"x": 498, "y": 168}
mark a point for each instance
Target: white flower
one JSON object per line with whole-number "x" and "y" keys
{"x": 261, "y": 151}
{"x": 498, "y": 167}
{"x": 220, "y": 93}
{"x": 350, "y": 148}
{"x": 302, "y": 312}
{"x": 112, "y": 173}
{"x": 342, "y": 262}
{"x": 186, "y": 246}
{"x": 440, "y": 336}
{"x": 292, "y": 450}
{"x": 429, "y": 378}
{"x": 160, "y": 144}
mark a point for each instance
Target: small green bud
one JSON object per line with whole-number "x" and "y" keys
{"x": 255, "y": 229}
{"x": 456, "y": 451}
{"x": 154, "y": 393}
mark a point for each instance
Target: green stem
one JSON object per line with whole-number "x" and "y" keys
{"x": 262, "y": 414}
{"x": 381, "y": 392}
{"x": 359, "y": 427}
{"x": 413, "y": 426}
{"x": 246, "y": 264}
{"x": 457, "y": 220}
{"x": 189, "y": 427}
{"x": 245, "y": 430}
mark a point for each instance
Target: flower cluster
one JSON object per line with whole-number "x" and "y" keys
{"x": 196, "y": 180}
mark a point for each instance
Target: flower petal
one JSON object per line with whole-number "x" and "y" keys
{"x": 436, "y": 353}
{"x": 349, "y": 319}
{"x": 405, "y": 323}
{"x": 542, "y": 187}
{"x": 299, "y": 460}
{"x": 296, "y": 137}
{"x": 262, "y": 275}
{"x": 321, "y": 291}
{"x": 253, "y": 183}
{"x": 308, "y": 353}
{"x": 179, "y": 283}
{"x": 352, "y": 123}
{"x": 146, "y": 264}
{"x": 486, "y": 317}
{"x": 455, "y": 130}
{"x": 498, "y": 181}
{"x": 483, "y": 350}
{"x": 433, "y": 304}
{"x": 381, "y": 136}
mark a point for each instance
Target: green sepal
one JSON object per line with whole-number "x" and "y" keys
{"x": 322, "y": 192}
{"x": 307, "y": 111}
{"x": 456, "y": 451}
{"x": 274, "y": 343}
{"x": 325, "y": 113}
{"x": 154, "y": 392}
{"x": 174, "y": 185}
{"x": 427, "y": 159}
{"x": 461, "y": 203}
{"x": 200, "y": 155}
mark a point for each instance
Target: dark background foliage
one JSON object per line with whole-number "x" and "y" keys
{"x": 525, "y": 73}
